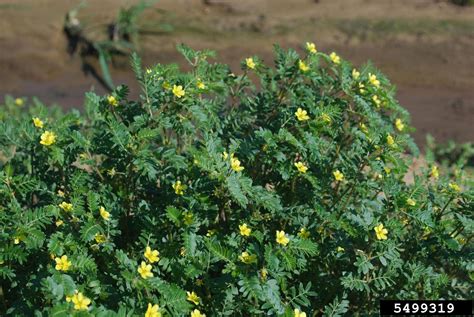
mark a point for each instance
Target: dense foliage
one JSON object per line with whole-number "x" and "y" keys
{"x": 214, "y": 195}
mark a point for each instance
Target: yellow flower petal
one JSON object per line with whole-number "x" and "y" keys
{"x": 301, "y": 115}
{"x": 281, "y": 238}
{"x": 38, "y": 123}
{"x": 48, "y": 138}
{"x": 245, "y": 230}
{"x": 250, "y": 63}
{"x": 178, "y": 91}
{"x": 335, "y": 58}
{"x": 311, "y": 47}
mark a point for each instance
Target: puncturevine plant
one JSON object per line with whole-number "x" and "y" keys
{"x": 281, "y": 191}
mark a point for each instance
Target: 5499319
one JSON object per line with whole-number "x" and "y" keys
{"x": 426, "y": 308}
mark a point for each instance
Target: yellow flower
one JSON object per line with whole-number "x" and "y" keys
{"x": 62, "y": 263}
{"x": 390, "y": 141}
{"x": 363, "y": 128}
{"x": 264, "y": 273}
{"x": 211, "y": 232}
{"x": 16, "y": 241}
{"x": 426, "y": 233}
{"x": 61, "y": 193}
{"x": 302, "y": 66}
{"x": 373, "y": 80}
{"x": 311, "y": 47}
{"x": 65, "y": 206}
{"x": 301, "y": 115}
{"x": 166, "y": 85}
{"x": 37, "y": 122}
{"x": 59, "y": 223}
{"x": 225, "y": 155}
{"x": 151, "y": 255}
{"x": 454, "y": 187}
{"x": 461, "y": 240}
{"x": 247, "y": 258}
{"x": 153, "y": 311}
{"x": 19, "y": 102}
{"x": 200, "y": 85}
{"x": 188, "y": 218}
{"x": 197, "y": 313}
{"x": 235, "y": 164}
{"x": 178, "y": 91}
{"x": 303, "y": 233}
{"x": 104, "y": 213}
{"x": 411, "y": 202}
{"x": 355, "y": 74}
{"x": 80, "y": 301}
{"x": 48, "y": 138}
{"x": 361, "y": 88}
{"x": 245, "y": 230}
{"x": 434, "y": 172}
{"x": 399, "y": 125}
{"x": 100, "y": 238}
{"x": 376, "y": 100}
{"x": 192, "y": 297}
{"x": 338, "y": 176}
{"x": 281, "y": 238}
{"x": 326, "y": 118}
{"x": 335, "y": 58}
{"x": 387, "y": 170}
{"x": 112, "y": 101}
{"x": 340, "y": 249}
{"x": 111, "y": 172}
{"x": 145, "y": 270}
{"x": 381, "y": 232}
{"x": 178, "y": 188}
{"x": 302, "y": 168}
{"x": 250, "y": 63}
{"x": 299, "y": 313}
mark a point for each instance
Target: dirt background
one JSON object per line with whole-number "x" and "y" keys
{"x": 426, "y": 47}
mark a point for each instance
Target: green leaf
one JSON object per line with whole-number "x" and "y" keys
{"x": 220, "y": 252}
{"x": 336, "y": 308}
{"x": 236, "y": 191}
{"x": 173, "y": 214}
{"x": 104, "y": 66}
{"x": 305, "y": 246}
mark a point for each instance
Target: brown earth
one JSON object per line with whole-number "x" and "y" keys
{"x": 426, "y": 47}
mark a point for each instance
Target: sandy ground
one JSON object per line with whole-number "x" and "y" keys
{"x": 426, "y": 47}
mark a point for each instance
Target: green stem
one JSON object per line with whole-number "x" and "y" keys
{"x": 438, "y": 217}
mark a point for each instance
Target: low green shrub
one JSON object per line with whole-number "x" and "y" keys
{"x": 214, "y": 195}
{"x": 463, "y": 2}
{"x": 451, "y": 154}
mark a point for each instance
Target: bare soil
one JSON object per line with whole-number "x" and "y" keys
{"x": 426, "y": 47}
